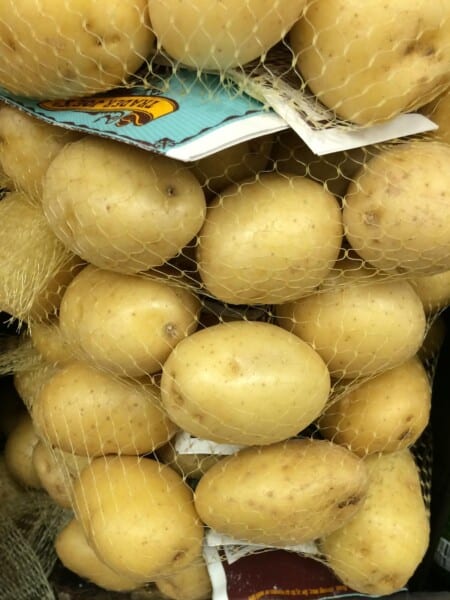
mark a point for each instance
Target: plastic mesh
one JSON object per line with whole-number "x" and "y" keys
{"x": 199, "y": 336}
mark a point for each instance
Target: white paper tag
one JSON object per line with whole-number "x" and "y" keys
{"x": 185, "y": 443}
{"x": 337, "y": 139}
{"x": 236, "y": 549}
{"x": 277, "y": 85}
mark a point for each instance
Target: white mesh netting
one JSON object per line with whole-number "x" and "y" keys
{"x": 242, "y": 343}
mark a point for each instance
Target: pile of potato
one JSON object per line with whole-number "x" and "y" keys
{"x": 367, "y": 63}
{"x": 262, "y": 297}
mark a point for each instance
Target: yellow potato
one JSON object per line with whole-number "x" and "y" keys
{"x": 384, "y": 414}
{"x": 269, "y": 241}
{"x": 138, "y": 209}
{"x": 35, "y": 267}
{"x": 397, "y": 209}
{"x": 57, "y": 471}
{"x": 49, "y": 50}
{"x": 91, "y": 413}
{"x": 369, "y": 62}
{"x": 28, "y": 382}
{"x": 244, "y": 383}
{"x": 47, "y": 339}
{"x": 283, "y": 494}
{"x": 334, "y": 171}
{"x": 27, "y": 147}
{"x": 19, "y": 451}
{"x": 191, "y": 583}
{"x": 233, "y": 164}
{"x": 221, "y": 35}
{"x": 433, "y": 290}
{"x": 359, "y": 322}
{"x": 126, "y": 323}
{"x": 139, "y": 516}
{"x": 10, "y": 489}
{"x": 378, "y": 551}
{"x": 77, "y": 555}
{"x": 439, "y": 112}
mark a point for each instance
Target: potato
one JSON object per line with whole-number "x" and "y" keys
{"x": 77, "y": 49}
{"x": 139, "y": 516}
{"x": 126, "y": 323}
{"x": 433, "y": 290}
{"x": 192, "y": 466}
{"x": 284, "y": 494}
{"x": 35, "y": 267}
{"x": 269, "y": 241}
{"x": 57, "y": 471}
{"x": 234, "y": 164}
{"x": 76, "y": 554}
{"x": 334, "y": 171}
{"x": 91, "y": 413}
{"x": 439, "y": 112}
{"x": 191, "y": 583}
{"x": 28, "y": 382}
{"x": 220, "y": 36}
{"x": 370, "y": 62}
{"x": 378, "y": 550}
{"x": 384, "y": 414}
{"x": 359, "y": 322}
{"x": 10, "y": 489}
{"x": 47, "y": 339}
{"x": 139, "y": 209}
{"x": 18, "y": 453}
{"x": 27, "y": 147}
{"x": 244, "y": 383}
{"x": 396, "y": 210}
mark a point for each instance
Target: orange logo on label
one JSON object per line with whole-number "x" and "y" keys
{"x": 134, "y": 110}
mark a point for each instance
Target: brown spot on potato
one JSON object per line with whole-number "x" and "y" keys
{"x": 350, "y": 501}
{"x": 404, "y": 435}
{"x": 179, "y": 555}
{"x": 170, "y": 330}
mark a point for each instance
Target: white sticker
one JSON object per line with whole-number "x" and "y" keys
{"x": 185, "y": 443}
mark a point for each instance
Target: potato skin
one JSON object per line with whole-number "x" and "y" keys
{"x": 360, "y": 322}
{"x": 191, "y": 583}
{"x": 56, "y": 471}
{"x": 433, "y": 290}
{"x": 378, "y": 550}
{"x": 127, "y": 324}
{"x": 397, "y": 209}
{"x": 383, "y": 414}
{"x": 91, "y": 413}
{"x": 76, "y": 554}
{"x": 369, "y": 62}
{"x": 97, "y": 46}
{"x": 270, "y": 240}
{"x": 245, "y": 383}
{"x": 138, "y": 516}
{"x": 19, "y": 449}
{"x": 222, "y": 35}
{"x": 47, "y": 339}
{"x": 284, "y": 494}
{"x": 139, "y": 209}
{"x": 28, "y": 146}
